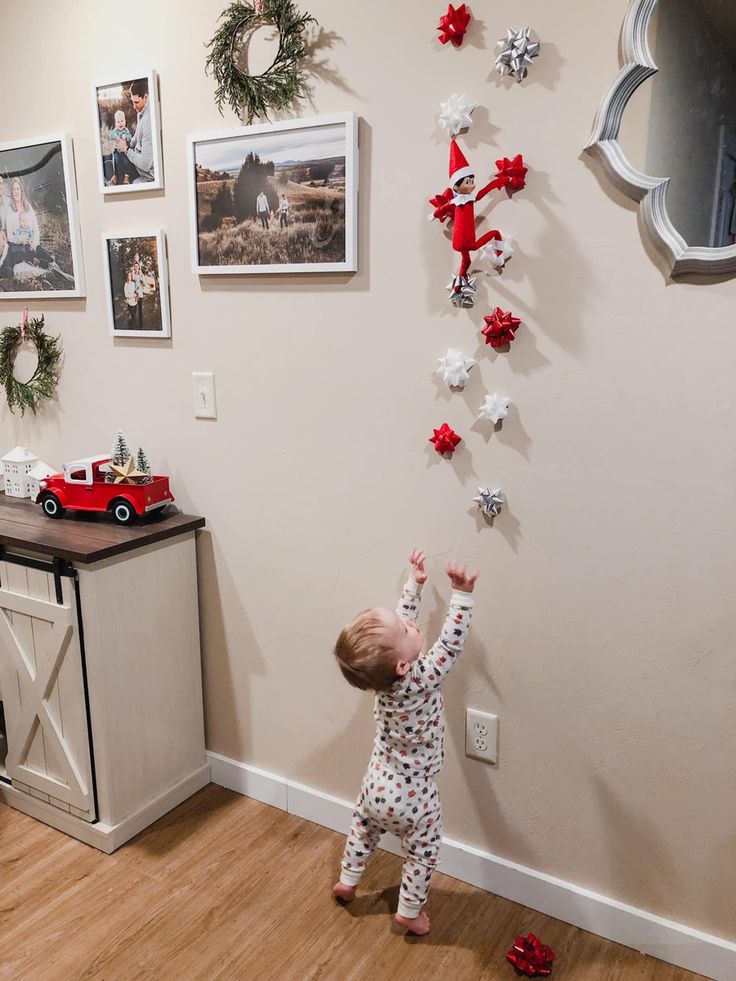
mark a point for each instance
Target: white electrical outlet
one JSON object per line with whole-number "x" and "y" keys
{"x": 481, "y": 735}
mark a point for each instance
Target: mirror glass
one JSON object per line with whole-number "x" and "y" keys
{"x": 681, "y": 122}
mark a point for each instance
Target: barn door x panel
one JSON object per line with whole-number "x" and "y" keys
{"x": 43, "y": 691}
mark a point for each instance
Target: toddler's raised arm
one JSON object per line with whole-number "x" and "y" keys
{"x": 431, "y": 668}
{"x": 411, "y": 595}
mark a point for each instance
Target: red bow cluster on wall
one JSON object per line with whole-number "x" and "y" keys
{"x": 442, "y": 201}
{"x": 511, "y": 173}
{"x": 453, "y": 25}
{"x": 445, "y": 439}
{"x": 531, "y": 957}
{"x": 500, "y": 328}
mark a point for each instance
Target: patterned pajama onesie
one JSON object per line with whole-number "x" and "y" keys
{"x": 398, "y": 793}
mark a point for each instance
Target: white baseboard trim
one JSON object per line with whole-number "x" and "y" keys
{"x": 669, "y": 941}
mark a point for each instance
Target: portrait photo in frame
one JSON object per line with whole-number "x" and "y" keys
{"x": 136, "y": 272}
{"x": 127, "y": 120}
{"x": 276, "y": 198}
{"x": 40, "y": 244}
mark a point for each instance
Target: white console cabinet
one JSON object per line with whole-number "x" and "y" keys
{"x": 100, "y": 671}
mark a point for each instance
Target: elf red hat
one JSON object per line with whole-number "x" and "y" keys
{"x": 458, "y": 165}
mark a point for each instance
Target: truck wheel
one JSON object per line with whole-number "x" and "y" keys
{"x": 123, "y": 512}
{"x": 52, "y": 506}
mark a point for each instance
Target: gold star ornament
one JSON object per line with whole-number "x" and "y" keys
{"x": 127, "y": 474}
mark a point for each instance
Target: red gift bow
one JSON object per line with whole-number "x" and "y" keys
{"x": 444, "y": 197}
{"x": 500, "y": 328}
{"x": 511, "y": 173}
{"x": 531, "y": 957}
{"x": 453, "y": 25}
{"x": 445, "y": 439}
{"x": 442, "y": 203}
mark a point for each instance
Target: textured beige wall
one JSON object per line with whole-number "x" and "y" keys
{"x": 604, "y": 630}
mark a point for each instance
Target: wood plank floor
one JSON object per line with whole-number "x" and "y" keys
{"x": 225, "y": 887}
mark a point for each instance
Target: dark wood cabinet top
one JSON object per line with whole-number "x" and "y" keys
{"x": 84, "y": 537}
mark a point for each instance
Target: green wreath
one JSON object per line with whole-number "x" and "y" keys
{"x": 277, "y": 88}
{"x": 45, "y": 378}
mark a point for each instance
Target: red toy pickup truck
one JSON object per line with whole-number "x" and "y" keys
{"x": 82, "y": 487}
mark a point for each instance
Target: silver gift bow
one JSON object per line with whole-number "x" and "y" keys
{"x": 517, "y": 51}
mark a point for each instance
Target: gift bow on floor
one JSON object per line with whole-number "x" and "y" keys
{"x": 531, "y": 957}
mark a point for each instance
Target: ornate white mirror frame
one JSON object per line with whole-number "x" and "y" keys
{"x": 650, "y": 192}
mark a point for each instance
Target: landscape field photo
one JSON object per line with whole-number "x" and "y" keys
{"x": 272, "y": 198}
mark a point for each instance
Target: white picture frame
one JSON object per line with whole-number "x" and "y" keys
{"x": 322, "y": 213}
{"x": 152, "y": 302}
{"x": 27, "y": 273}
{"x": 108, "y": 97}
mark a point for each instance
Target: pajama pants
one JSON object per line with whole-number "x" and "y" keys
{"x": 408, "y": 807}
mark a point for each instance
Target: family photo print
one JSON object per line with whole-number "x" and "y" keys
{"x": 128, "y": 134}
{"x": 277, "y": 197}
{"x": 40, "y": 246}
{"x": 137, "y": 284}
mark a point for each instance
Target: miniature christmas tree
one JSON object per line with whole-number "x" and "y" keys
{"x": 120, "y": 454}
{"x": 120, "y": 450}
{"x": 143, "y": 465}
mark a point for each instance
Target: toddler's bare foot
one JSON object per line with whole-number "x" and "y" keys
{"x": 419, "y": 925}
{"x": 126, "y": 179}
{"x": 343, "y": 893}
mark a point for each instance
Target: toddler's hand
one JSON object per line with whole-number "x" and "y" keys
{"x": 417, "y": 560}
{"x": 459, "y": 577}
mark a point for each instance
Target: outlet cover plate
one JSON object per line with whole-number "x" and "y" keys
{"x": 481, "y": 736}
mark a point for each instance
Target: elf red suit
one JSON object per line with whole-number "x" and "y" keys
{"x": 458, "y": 200}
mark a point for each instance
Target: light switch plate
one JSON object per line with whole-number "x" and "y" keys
{"x": 205, "y": 403}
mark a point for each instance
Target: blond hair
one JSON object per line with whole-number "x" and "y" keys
{"x": 25, "y": 204}
{"x": 365, "y": 662}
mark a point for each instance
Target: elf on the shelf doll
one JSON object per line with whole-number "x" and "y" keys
{"x": 457, "y": 203}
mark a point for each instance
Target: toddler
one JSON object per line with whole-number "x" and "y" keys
{"x": 119, "y": 132}
{"x": 382, "y": 651}
{"x": 22, "y": 234}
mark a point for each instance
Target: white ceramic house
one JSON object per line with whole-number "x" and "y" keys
{"x": 39, "y": 473}
{"x": 17, "y": 465}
